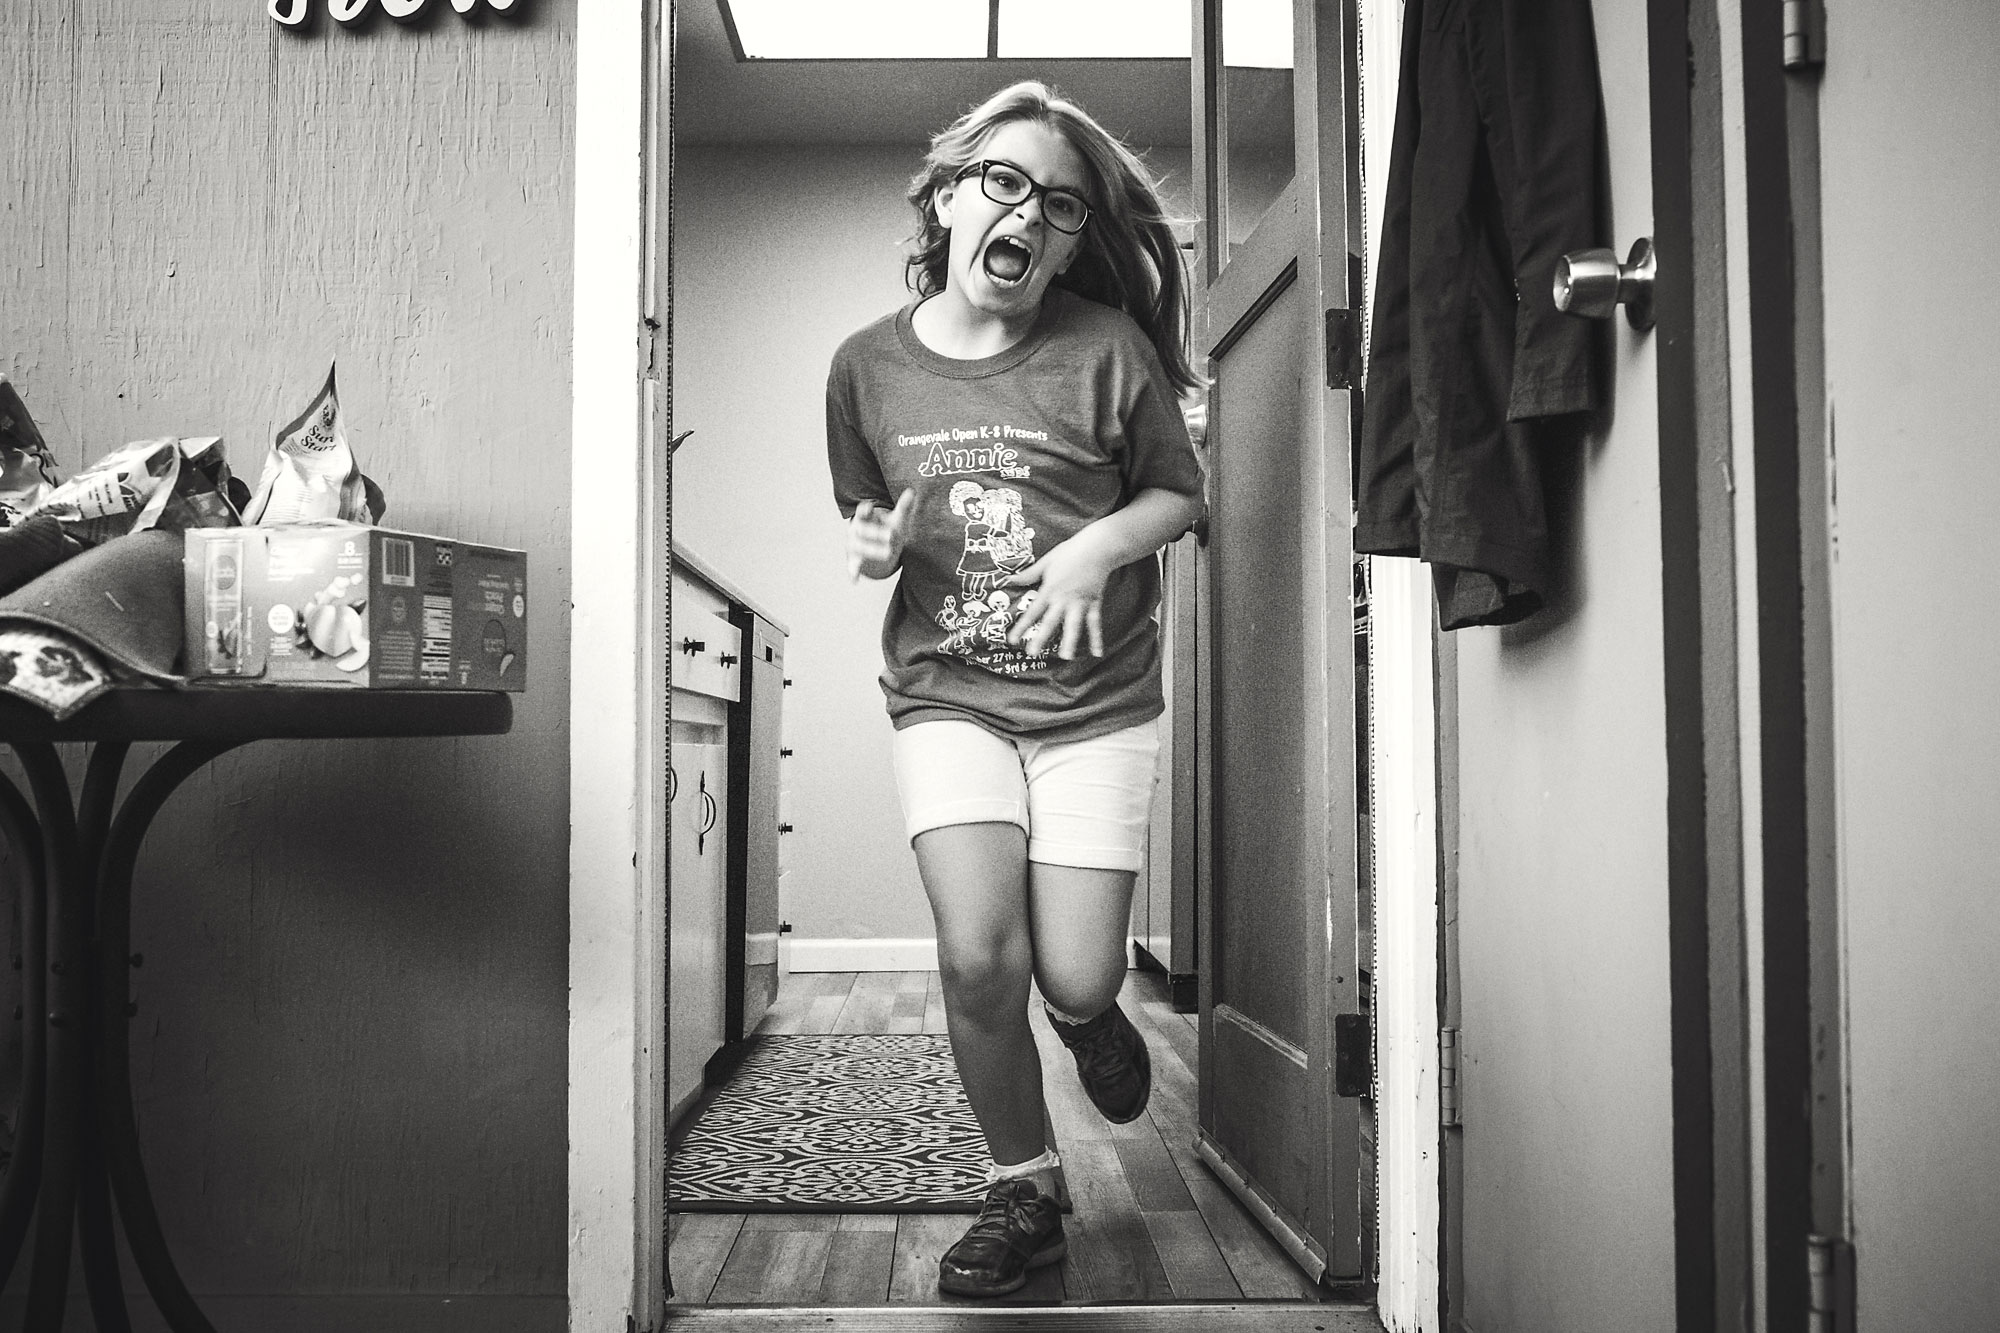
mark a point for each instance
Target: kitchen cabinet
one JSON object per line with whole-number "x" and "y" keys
{"x": 696, "y": 943}
{"x": 757, "y": 755}
{"x": 726, "y": 820}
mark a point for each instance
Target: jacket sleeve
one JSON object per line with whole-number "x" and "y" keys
{"x": 1551, "y": 195}
{"x": 1385, "y": 493}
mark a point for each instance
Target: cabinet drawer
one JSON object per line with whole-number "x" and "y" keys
{"x": 708, "y": 655}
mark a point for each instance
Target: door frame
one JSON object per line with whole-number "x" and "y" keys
{"x": 618, "y": 728}
{"x": 619, "y": 627}
{"x": 1404, "y": 825}
{"x": 620, "y": 551}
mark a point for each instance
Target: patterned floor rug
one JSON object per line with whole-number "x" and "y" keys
{"x": 834, "y": 1124}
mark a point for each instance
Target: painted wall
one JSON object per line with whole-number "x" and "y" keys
{"x": 1562, "y": 928}
{"x": 781, "y": 252}
{"x": 1907, "y": 177}
{"x": 349, "y": 1056}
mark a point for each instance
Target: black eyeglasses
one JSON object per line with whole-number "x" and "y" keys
{"x": 1005, "y": 183}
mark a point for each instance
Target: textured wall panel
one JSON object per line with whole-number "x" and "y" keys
{"x": 349, "y": 1054}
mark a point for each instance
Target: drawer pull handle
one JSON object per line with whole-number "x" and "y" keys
{"x": 693, "y": 646}
{"x": 728, "y": 659}
{"x": 784, "y": 828}
{"x": 708, "y": 811}
{"x": 784, "y": 754}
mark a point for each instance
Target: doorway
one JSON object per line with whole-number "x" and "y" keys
{"x": 788, "y": 216}
{"x": 1151, "y": 1224}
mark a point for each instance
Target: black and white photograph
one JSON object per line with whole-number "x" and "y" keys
{"x": 999, "y": 666}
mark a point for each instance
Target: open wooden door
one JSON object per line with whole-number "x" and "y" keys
{"x": 1275, "y": 675}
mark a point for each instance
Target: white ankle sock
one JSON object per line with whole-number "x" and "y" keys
{"x": 1048, "y": 1161}
{"x": 1062, "y": 1017}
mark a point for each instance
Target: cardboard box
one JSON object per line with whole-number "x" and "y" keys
{"x": 346, "y": 605}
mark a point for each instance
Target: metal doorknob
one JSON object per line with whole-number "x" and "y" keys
{"x": 1591, "y": 283}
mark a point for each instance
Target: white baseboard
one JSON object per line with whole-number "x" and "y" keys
{"x": 831, "y": 955}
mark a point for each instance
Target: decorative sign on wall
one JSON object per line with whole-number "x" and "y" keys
{"x": 294, "y": 13}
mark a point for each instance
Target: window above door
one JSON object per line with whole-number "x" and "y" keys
{"x": 1257, "y": 34}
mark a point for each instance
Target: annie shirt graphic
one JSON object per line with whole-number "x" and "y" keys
{"x": 998, "y": 542}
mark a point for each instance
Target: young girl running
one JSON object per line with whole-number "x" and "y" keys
{"x": 1013, "y": 445}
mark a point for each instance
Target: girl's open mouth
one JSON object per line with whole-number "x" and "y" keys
{"x": 1006, "y": 260}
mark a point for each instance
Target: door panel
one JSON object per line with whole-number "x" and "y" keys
{"x": 1259, "y": 764}
{"x": 1562, "y": 852}
{"x": 1267, "y": 860}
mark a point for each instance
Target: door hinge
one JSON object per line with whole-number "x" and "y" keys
{"x": 1830, "y": 1285}
{"x": 1343, "y": 350}
{"x": 1353, "y": 1056}
{"x": 1805, "y": 34}
{"x": 1448, "y": 1076}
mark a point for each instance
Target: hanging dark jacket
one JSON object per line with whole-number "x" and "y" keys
{"x": 1493, "y": 176}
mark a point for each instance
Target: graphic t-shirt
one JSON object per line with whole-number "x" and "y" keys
{"x": 1009, "y": 455}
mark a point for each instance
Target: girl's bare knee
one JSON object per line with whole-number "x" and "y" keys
{"x": 985, "y": 976}
{"x": 1079, "y": 994}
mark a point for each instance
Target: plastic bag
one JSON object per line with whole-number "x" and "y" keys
{"x": 27, "y": 470}
{"x": 311, "y": 473}
{"x": 167, "y": 483}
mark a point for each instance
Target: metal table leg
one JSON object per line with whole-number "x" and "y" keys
{"x": 119, "y": 1134}
{"x": 101, "y": 1278}
{"x": 93, "y": 1200}
{"x": 24, "y": 1169}
{"x": 67, "y": 1051}
{"x": 78, "y": 1141}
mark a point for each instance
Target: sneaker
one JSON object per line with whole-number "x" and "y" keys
{"x": 1019, "y": 1228}
{"x": 1111, "y": 1060}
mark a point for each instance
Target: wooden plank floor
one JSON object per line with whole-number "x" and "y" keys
{"x": 1151, "y": 1223}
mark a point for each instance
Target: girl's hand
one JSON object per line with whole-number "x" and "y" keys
{"x": 876, "y": 537}
{"x": 1069, "y": 604}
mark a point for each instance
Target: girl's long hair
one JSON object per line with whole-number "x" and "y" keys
{"x": 1129, "y": 260}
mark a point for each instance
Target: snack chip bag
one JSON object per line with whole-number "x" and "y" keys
{"x": 206, "y": 494}
{"x": 311, "y": 473}
{"x": 27, "y": 470}
{"x": 167, "y": 483}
